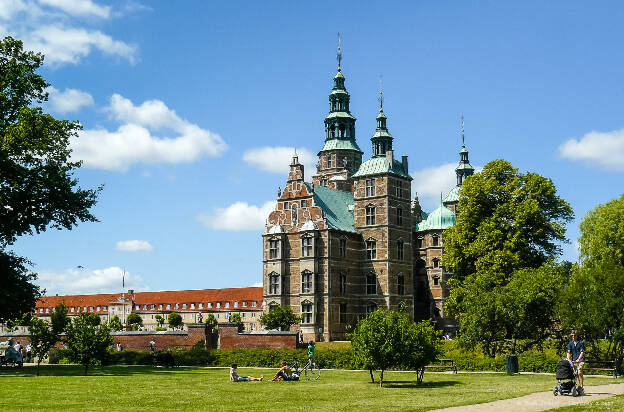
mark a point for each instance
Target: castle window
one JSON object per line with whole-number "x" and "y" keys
{"x": 435, "y": 240}
{"x": 371, "y": 249}
{"x": 399, "y": 189}
{"x": 303, "y": 203}
{"x": 370, "y": 187}
{"x": 401, "y": 284}
{"x": 419, "y": 243}
{"x": 324, "y": 182}
{"x": 371, "y": 284}
{"x": 370, "y": 215}
{"x": 329, "y": 162}
{"x": 274, "y": 286}
{"x": 399, "y": 216}
{"x": 343, "y": 313}
{"x": 436, "y": 281}
{"x": 342, "y": 248}
{"x": 370, "y": 308}
{"x": 306, "y": 312}
{"x": 400, "y": 249}
{"x": 306, "y": 246}
{"x": 273, "y": 249}
{"x": 436, "y": 263}
{"x": 343, "y": 284}
{"x": 286, "y": 206}
{"x": 306, "y": 282}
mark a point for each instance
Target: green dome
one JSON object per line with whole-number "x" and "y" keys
{"x": 453, "y": 195}
{"x": 439, "y": 219}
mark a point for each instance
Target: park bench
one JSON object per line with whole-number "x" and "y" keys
{"x": 602, "y": 365}
{"x": 437, "y": 364}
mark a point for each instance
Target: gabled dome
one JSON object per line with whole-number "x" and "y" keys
{"x": 309, "y": 225}
{"x": 276, "y": 229}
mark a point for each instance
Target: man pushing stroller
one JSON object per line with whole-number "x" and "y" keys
{"x": 576, "y": 354}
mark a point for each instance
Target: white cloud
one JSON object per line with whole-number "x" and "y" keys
{"x": 79, "y": 7}
{"x": 68, "y": 101}
{"x": 77, "y": 281}
{"x": 276, "y": 159}
{"x": 237, "y": 217}
{"x": 133, "y": 141}
{"x": 429, "y": 182}
{"x": 50, "y": 27}
{"x": 257, "y": 284}
{"x": 605, "y": 150}
{"x": 133, "y": 245}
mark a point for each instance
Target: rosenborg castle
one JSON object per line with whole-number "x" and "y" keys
{"x": 335, "y": 248}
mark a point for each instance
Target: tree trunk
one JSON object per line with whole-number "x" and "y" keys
{"x": 86, "y": 368}
{"x": 371, "y": 375}
{"x": 381, "y": 379}
{"x": 38, "y": 363}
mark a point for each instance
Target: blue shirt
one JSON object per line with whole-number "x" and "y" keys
{"x": 576, "y": 350}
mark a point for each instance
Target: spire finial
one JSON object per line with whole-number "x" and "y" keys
{"x": 462, "y": 129}
{"x": 339, "y": 54}
{"x": 380, "y": 94}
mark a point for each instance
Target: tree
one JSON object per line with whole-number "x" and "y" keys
{"x": 87, "y": 340}
{"x": 115, "y": 323}
{"x": 211, "y": 321}
{"x": 44, "y": 335}
{"x": 592, "y": 302}
{"x": 389, "y": 339}
{"x": 37, "y": 186}
{"x": 160, "y": 320}
{"x": 279, "y": 317}
{"x": 417, "y": 212}
{"x": 236, "y": 318}
{"x": 135, "y": 320}
{"x": 508, "y": 221}
{"x": 175, "y": 320}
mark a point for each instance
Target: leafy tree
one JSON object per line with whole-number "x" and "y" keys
{"x": 37, "y": 186}
{"x": 279, "y": 317}
{"x": 135, "y": 320}
{"x": 115, "y": 323}
{"x": 592, "y": 303}
{"x": 509, "y": 221}
{"x": 160, "y": 320}
{"x": 59, "y": 319}
{"x": 417, "y": 212}
{"x": 42, "y": 339}
{"x": 87, "y": 340}
{"x": 236, "y": 318}
{"x": 211, "y": 321}
{"x": 384, "y": 340}
{"x": 175, "y": 320}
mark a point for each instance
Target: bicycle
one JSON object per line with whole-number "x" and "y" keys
{"x": 312, "y": 370}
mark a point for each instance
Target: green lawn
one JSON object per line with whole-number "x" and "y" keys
{"x": 145, "y": 388}
{"x": 614, "y": 403}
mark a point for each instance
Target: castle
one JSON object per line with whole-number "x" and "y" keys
{"x": 347, "y": 243}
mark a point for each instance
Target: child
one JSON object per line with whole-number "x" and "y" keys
{"x": 235, "y": 378}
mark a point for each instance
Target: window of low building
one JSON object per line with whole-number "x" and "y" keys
{"x": 160, "y": 307}
{"x": 47, "y": 310}
{"x": 192, "y": 306}
{"x": 227, "y": 305}
{"x": 183, "y": 306}
{"x": 253, "y": 314}
{"x": 201, "y": 305}
{"x": 168, "y": 306}
{"x": 98, "y": 308}
{"x": 209, "y": 304}
{"x": 245, "y": 303}
{"x": 243, "y": 315}
{"x": 177, "y": 306}
{"x": 71, "y": 310}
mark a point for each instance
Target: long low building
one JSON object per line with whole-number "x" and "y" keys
{"x": 192, "y": 305}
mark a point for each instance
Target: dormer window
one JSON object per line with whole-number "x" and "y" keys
{"x": 192, "y": 306}
{"x": 184, "y": 306}
{"x": 209, "y": 305}
{"x": 218, "y": 304}
{"x": 235, "y": 303}
{"x": 227, "y": 305}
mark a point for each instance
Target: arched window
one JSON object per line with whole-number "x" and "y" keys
{"x": 371, "y": 284}
{"x": 274, "y": 283}
{"x": 370, "y": 308}
{"x": 371, "y": 249}
{"x": 306, "y": 281}
{"x": 400, "y": 284}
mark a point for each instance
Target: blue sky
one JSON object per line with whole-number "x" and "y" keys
{"x": 192, "y": 109}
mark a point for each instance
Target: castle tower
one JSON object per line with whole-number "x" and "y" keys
{"x": 463, "y": 170}
{"x": 382, "y": 192}
{"x": 340, "y": 156}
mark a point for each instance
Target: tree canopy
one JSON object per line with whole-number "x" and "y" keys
{"x": 44, "y": 335}
{"x": 87, "y": 340}
{"x": 279, "y": 317}
{"x": 134, "y": 319}
{"x": 115, "y": 323}
{"x": 175, "y": 320}
{"x": 387, "y": 339}
{"x": 37, "y": 187}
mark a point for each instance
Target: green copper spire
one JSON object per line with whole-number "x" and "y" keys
{"x": 464, "y": 169}
{"x": 382, "y": 139}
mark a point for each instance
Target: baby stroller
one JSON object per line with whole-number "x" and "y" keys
{"x": 566, "y": 379}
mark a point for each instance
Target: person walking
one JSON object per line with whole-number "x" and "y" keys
{"x": 28, "y": 350}
{"x": 576, "y": 353}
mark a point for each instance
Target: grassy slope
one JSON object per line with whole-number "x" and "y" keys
{"x": 145, "y": 388}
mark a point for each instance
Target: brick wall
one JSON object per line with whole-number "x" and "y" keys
{"x": 229, "y": 338}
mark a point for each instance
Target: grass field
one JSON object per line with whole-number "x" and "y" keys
{"x": 614, "y": 403}
{"x": 149, "y": 389}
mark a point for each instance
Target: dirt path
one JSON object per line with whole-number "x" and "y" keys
{"x": 542, "y": 401}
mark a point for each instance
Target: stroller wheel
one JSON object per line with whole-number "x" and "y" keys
{"x": 575, "y": 391}
{"x": 581, "y": 391}
{"x": 556, "y": 391}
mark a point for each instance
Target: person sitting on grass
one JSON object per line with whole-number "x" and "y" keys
{"x": 285, "y": 374}
{"x": 235, "y": 378}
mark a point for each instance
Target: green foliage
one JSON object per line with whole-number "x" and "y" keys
{"x": 42, "y": 339}
{"x": 416, "y": 210}
{"x": 59, "y": 319}
{"x": 602, "y": 234}
{"x": 87, "y": 340}
{"x": 134, "y": 319}
{"x": 280, "y": 317}
{"x": 384, "y": 340}
{"x": 115, "y": 323}
{"x": 175, "y": 320}
{"x": 211, "y": 321}
{"x": 236, "y": 318}
{"x": 160, "y": 320}
{"x": 508, "y": 221}
{"x": 37, "y": 186}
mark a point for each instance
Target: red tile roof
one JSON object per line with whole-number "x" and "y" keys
{"x": 204, "y": 296}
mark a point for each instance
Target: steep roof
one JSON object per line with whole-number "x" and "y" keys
{"x": 341, "y": 144}
{"x": 378, "y": 165}
{"x": 336, "y": 205}
{"x": 453, "y": 195}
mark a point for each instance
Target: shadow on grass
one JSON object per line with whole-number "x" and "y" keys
{"x": 77, "y": 370}
{"x": 423, "y": 385}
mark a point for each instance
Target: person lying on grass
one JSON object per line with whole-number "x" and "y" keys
{"x": 235, "y": 378}
{"x": 285, "y": 374}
